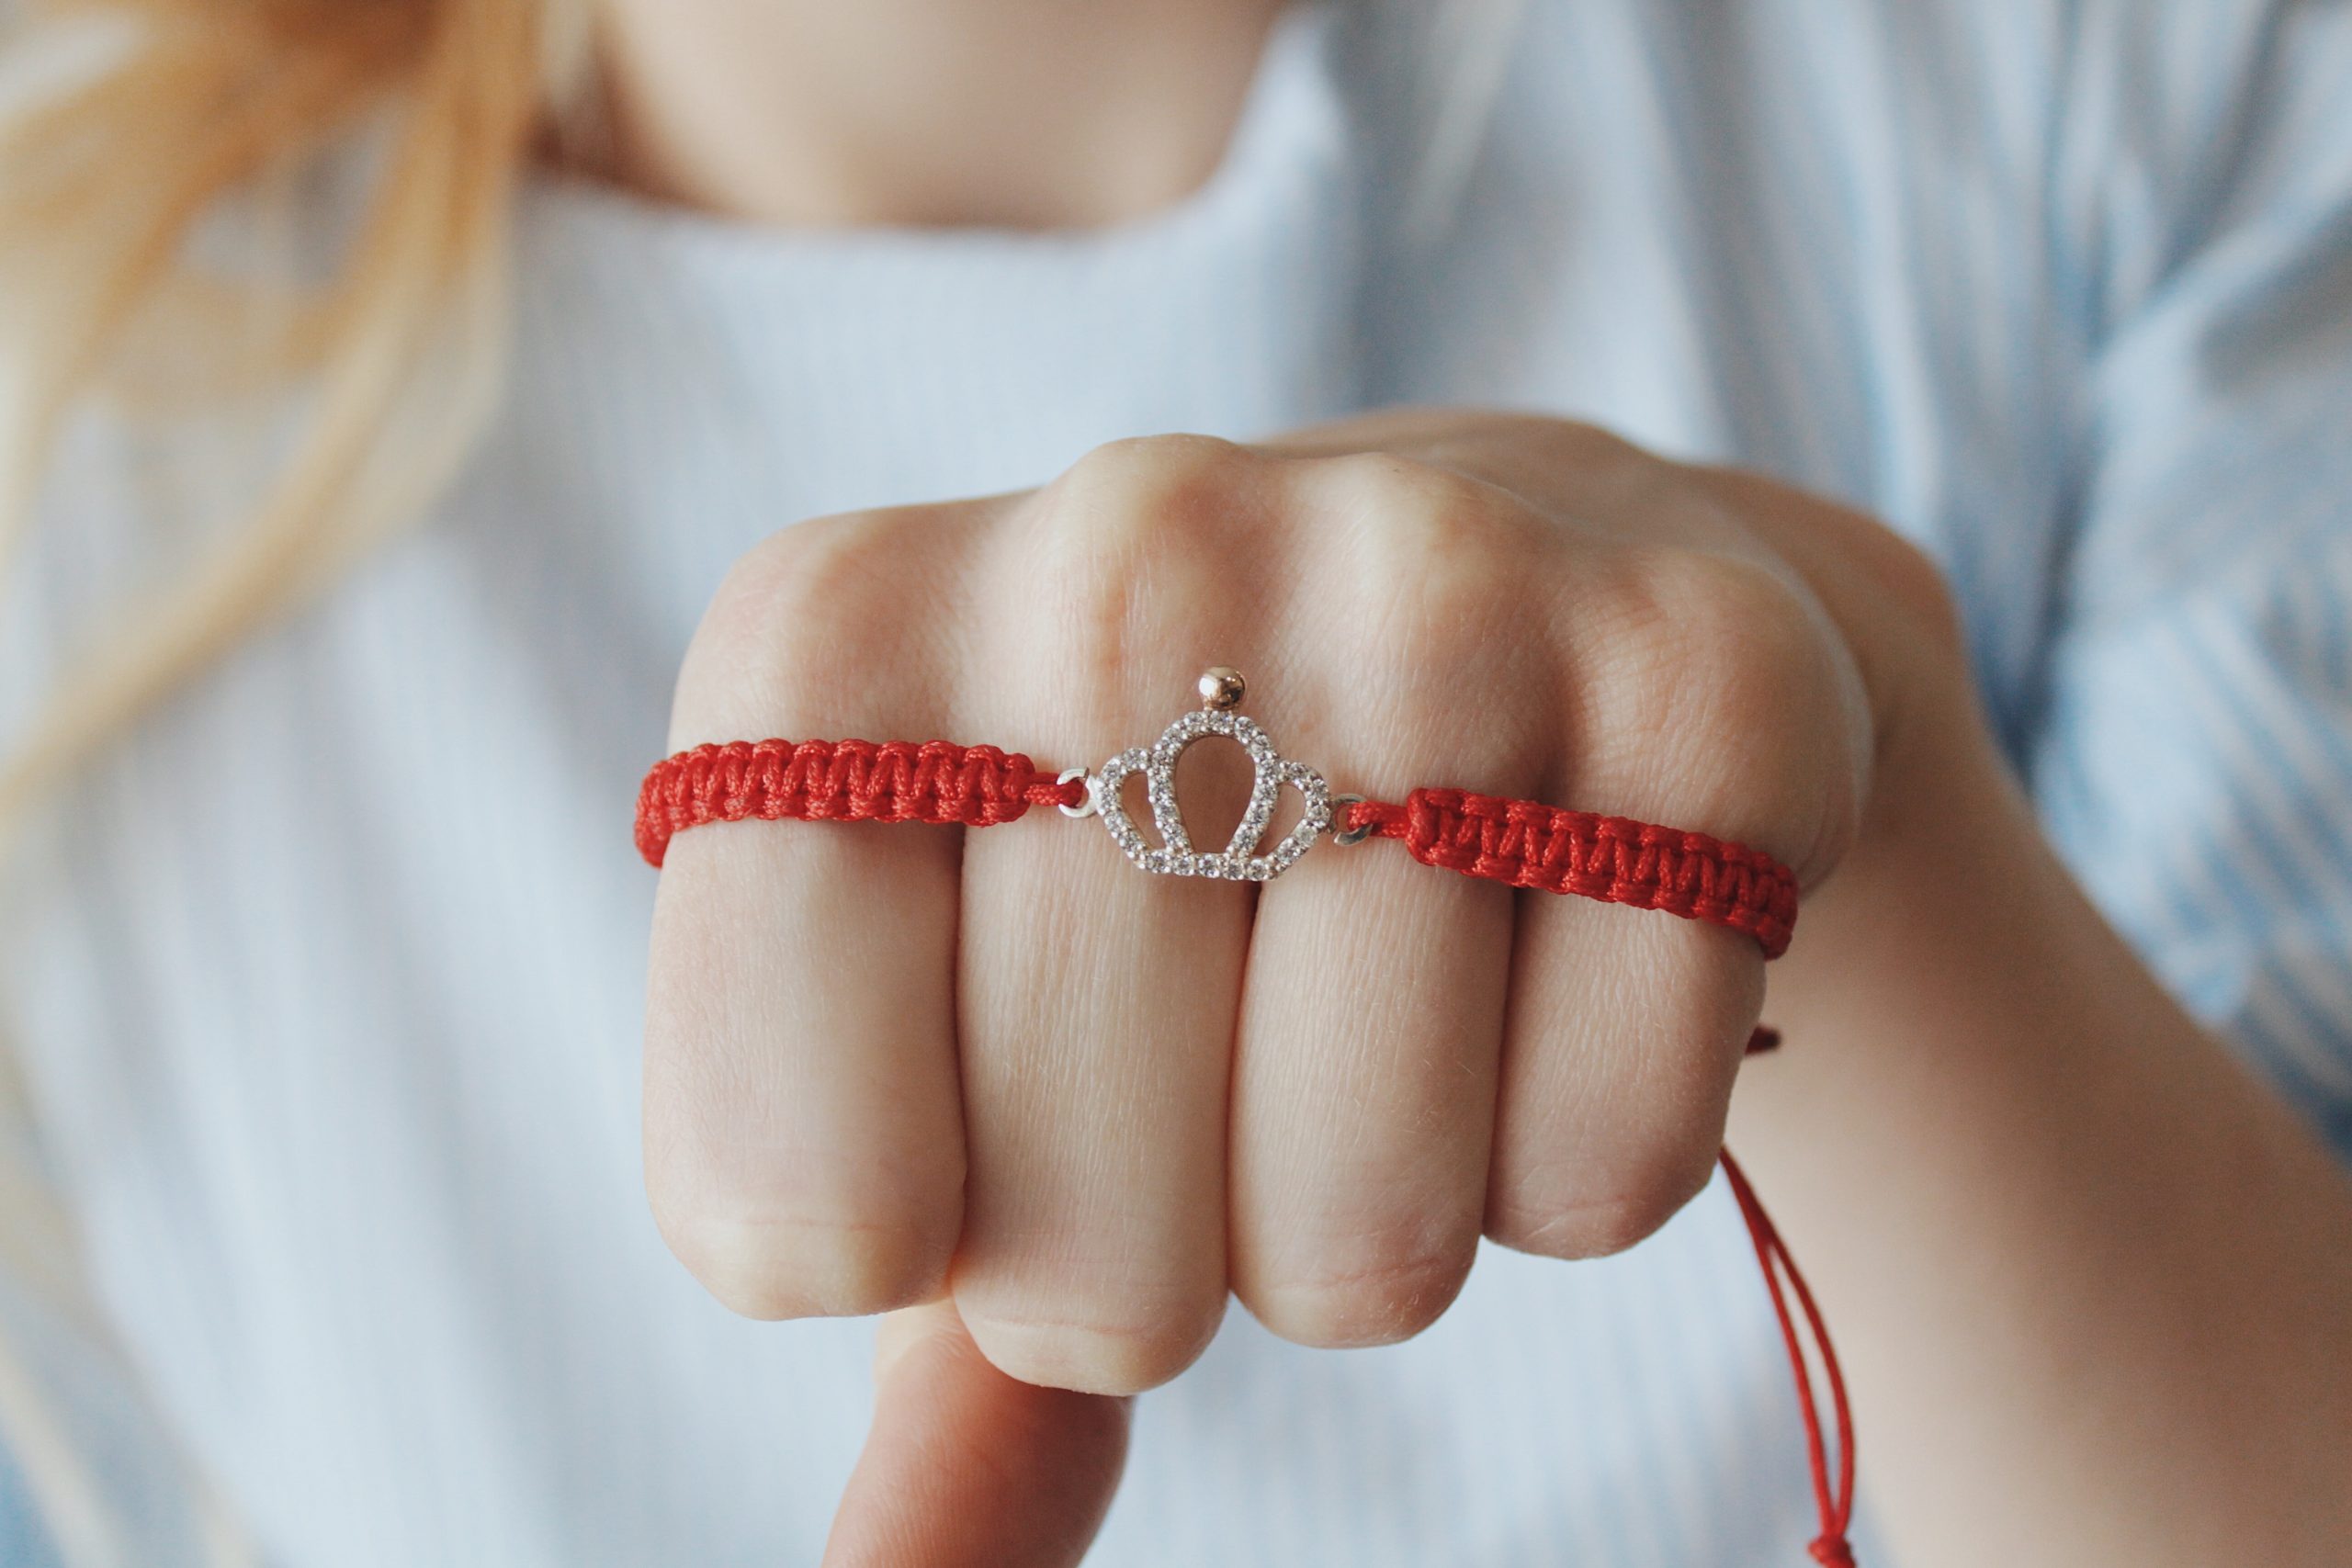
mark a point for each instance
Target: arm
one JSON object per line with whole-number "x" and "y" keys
{"x": 2093, "y": 1283}
{"x": 2094, "y": 1280}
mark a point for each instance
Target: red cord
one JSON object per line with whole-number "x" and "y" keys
{"x": 839, "y": 781}
{"x": 1830, "y": 1549}
{"x": 1615, "y": 859}
{"x": 1523, "y": 842}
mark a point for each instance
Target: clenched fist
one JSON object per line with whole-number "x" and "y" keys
{"x": 886, "y": 1066}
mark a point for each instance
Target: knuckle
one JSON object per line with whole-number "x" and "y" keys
{"x": 1713, "y": 626}
{"x": 1915, "y": 581}
{"x": 1570, "y": 1215}
{"x": 1423, "y": 501}
{"x": 1095, "y": 1355}
{"x": 1383, "y": 1296}
{"x": 1146, "y": 485}
{"x": 1889, "y": 571}
{"x": 801, "y": 611}
{"x": 1430, "y": 538}
{"x": 1119, "y": 555}
{"x": 1438, "y": 572}
{"x": 801, "y": 583}
{"x": 1718, "y": 696}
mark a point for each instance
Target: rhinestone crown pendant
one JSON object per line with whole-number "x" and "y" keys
{"x": 1221, "y": 690}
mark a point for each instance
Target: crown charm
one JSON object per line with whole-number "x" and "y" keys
{"x": 1221, "y": 690}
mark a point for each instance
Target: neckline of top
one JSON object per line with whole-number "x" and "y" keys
{"x": 1288, "y": 100}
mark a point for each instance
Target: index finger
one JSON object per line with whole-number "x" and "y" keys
{"x": 804, "y": 1142}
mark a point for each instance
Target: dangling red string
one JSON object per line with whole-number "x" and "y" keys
{"x": 1830, "y": 1549}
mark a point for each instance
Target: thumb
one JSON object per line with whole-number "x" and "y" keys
{"x": 965, "y": 1465}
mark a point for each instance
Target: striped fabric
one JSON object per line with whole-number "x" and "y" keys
{"x": 339, "y": 1072}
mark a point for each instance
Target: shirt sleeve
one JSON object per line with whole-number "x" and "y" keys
{"x": 2193, "y": 758}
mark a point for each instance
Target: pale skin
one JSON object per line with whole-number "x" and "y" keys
{"x": 2093, "y": 1283}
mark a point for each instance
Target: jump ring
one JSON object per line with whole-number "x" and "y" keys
{"x": 1340, "y": 804}
{"x": 1085, "y": 810}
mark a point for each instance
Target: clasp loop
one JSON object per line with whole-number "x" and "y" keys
{"x": 1340, "y": 835}
{"x": 1086, "y": 811}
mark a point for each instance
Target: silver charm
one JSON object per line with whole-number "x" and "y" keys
{"x": 1239, "y": 861}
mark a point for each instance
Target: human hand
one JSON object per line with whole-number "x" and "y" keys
{"x": 1072, "y": 1107}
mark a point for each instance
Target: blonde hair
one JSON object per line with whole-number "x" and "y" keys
{"x": 123, "y": 123}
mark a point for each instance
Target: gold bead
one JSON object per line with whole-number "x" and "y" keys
{"x": 1222, "y": 687}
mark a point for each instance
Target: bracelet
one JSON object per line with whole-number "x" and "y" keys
{"x": 1524, "y": 843}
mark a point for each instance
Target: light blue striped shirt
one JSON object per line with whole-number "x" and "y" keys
{"x": 339, "y": 1072}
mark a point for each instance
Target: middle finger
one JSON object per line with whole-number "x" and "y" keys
{"x": 1096, "y": 1003}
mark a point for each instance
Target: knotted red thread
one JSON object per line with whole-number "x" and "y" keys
{"x": 1523, "y": 842}
{"x": 839, "y": 781}
{"x": 1616, "y": 858}
{"x": 1834, "y": 1501}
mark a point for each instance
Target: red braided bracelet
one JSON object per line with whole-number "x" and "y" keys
{"x": 1525, "y": 843}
